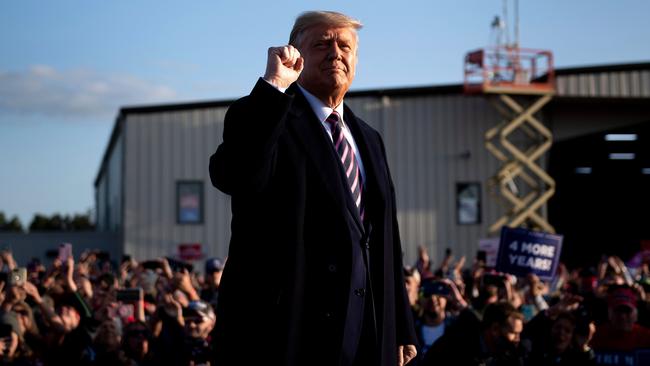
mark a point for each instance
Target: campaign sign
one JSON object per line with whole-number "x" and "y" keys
{"x": 523, "y": 251}
{"x": 643, "y": 357}
{"x": 616, "y": 358}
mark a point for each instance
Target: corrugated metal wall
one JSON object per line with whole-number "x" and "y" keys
{"x": 433, "y": 142}
{"x": 109, "y": 191}
{"x": 616, "y": 84}
{"x": 161, "y": 149}
{"x": 427, "y": 140}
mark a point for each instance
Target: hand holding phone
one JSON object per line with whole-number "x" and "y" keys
{"x": 17, "y": 277}
{"x": 178, "y": 266}
{"x": 435, "y": 287}
{"x": 152, "y": 264}
{"x": 129, "y": 295}
{"x": 65, "y": 252}
{"x": 134, "y": 298}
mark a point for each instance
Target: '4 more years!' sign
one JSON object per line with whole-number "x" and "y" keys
{"x": 523, "y": 251}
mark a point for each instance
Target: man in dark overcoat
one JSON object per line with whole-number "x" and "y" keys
{"x": 314, "y": 270}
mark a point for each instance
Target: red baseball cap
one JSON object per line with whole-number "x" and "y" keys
{"x": 622, "y": 297}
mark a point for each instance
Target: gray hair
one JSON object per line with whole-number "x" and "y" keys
{"x": 311, "y": 18}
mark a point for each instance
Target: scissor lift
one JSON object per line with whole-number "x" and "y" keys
{"x": 519, "y": 83}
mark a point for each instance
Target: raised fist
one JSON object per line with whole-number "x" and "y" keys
{"x": 283, "y": 66}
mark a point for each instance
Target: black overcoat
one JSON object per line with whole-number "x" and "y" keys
{"x": 286, "y": 285}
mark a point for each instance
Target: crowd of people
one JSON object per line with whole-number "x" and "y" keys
{"x": 476, "y": 316}
{"x": 87, "y": 312}
{"x": 161, "y": 312}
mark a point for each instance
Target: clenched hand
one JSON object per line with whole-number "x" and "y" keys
{"x": 405, "y": 354}
{"x": 283, "y": 66}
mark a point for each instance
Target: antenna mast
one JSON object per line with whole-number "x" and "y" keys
{"x": 501, "y": 25}
{"x": 516, "y": 23}
{"x": 520, "y": 82}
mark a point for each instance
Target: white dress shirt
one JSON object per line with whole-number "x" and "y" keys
{"x": 322, "y": 112}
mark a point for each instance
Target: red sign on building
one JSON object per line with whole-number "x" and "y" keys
{"x": 190, "y": 252}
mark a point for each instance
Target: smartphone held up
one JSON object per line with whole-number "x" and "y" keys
{"x": 65, "y": 252}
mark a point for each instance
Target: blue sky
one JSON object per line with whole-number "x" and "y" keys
{"x": 67, "y": 66}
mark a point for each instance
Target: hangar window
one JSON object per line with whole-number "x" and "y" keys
{"x": 189, "y": 202}
{"x": 468, "y": 203}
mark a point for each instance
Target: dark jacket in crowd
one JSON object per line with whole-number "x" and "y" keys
{"x": 538, "y": 339}
{"x": 77, "y": 345}
{"x": 295, "y": 284}
{"x": 463, "y": 345}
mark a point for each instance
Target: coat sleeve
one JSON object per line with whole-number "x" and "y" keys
{"x": 246, "y": 158}
{"x": 405, "y": 324}
{"x": 404, "y": 316}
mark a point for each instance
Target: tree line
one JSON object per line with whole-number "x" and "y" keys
{"x": 40, "y": 222}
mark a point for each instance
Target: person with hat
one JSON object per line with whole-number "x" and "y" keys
{"x": 434, "y": 317}
{"x": 137, "y": 343}
{"x": 199, "y": 322}
{"x": 621, "y": 332}
{"x": 9, "y": 336}
{"x": 210, "y": 290}
{"x": 471, "y": 340}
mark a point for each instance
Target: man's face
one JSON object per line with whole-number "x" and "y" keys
{"x": 562, "y": 334}
{"x": 198, "y": 326}
{"x": 16, "y": 293}
{"x": 512, "y": 329}
{"x": 623, "y": 317}
{"x": 70, "y": 318}
{"x": 137, "y": 340}
{"x": 412, "y": 288}
{"x": 330, "y": 56}
{"x": 214, "y": 278}
{"x": 436, "y": 304}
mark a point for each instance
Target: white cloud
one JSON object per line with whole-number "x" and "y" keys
{"x": 75, "y": 93}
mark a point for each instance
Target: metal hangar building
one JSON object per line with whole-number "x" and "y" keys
{"x": 153, "y": 189}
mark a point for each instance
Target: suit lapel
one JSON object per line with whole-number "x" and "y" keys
{"x": 318, "y": 146}
{"x": 371, "y": 156}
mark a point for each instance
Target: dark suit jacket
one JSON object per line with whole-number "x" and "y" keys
{"x": 289, "y": 293}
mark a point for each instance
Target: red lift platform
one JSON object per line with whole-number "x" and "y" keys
{"x": 510, "y": 70}
{"x": 520, "y": 82}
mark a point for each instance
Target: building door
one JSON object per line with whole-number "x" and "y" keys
{"x": 602, "y": 203}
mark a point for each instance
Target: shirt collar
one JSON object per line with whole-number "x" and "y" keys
{"x": 320, "y": 109}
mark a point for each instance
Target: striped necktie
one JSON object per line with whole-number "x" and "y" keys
{"x": 348, "y": 159}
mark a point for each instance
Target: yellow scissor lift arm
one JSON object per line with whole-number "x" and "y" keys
{"x": 520, "y": 82}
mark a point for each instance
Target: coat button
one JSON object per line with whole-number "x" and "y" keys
{"x": 360, "y": 292}
{"x": 331, "y": 268}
